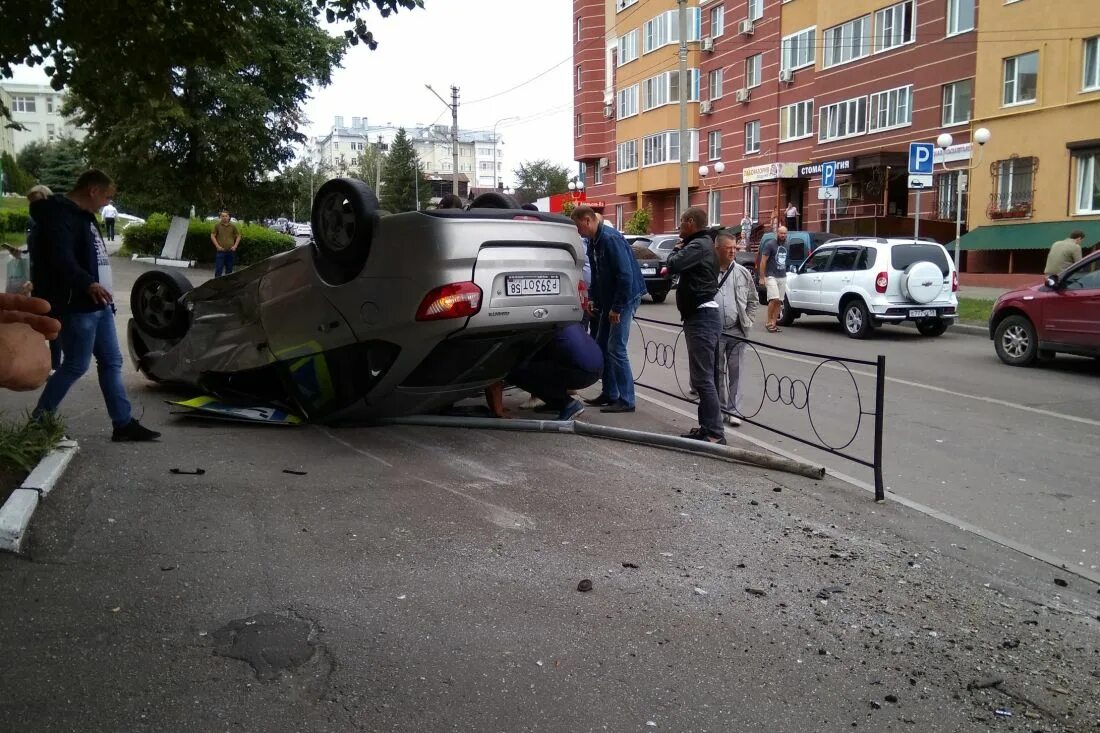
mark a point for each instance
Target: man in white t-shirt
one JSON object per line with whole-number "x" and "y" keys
{"x": 110, "y": 213}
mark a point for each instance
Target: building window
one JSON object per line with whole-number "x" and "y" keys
{"x": 1021, "y": 78}
{"x": 665, "y": 89}
{"x": 49, "y": 103}
{"x": 796, "y": 120}
{"x": 51, "y": 130}
{"x": 579, "y": 76}
{"x": 665, "y": 29}
{"x": 1088, "y": 183}
{"x": 1013, "y": 187}
{"x": 714, "y": 207}
{"x": 947, "y": 197}
{"x": 577, "y": 39}
{"x": 752, "y": 204}
{"x": 597, "y": 174}
{"x": 798, "y": 50}
{"x": 752, "y": 137}
{"x": 664, "y": 147}
{"x": 715, "y": 84}
{"x": 754, "y": 71}
{"x": 627, "y": 156}
{"x": 960, "y": 16}
{"x": 717, "y": 21}
{"x": 892, "y": 108}
{"x": 22, "y": 104}
{"x": 714, "y": 145}
{"x": 1092, "y": 63}
{"x": 628, "y": 47}
{"x": 620, "y": 216}
{"x": 843, "y": 119}
{"x": 628, "y": 102}
{"x": 756, "y": 9}
{"x": 621, "y": 5}
{"x": 847, "y": 42}
{"x": 577, "y": 126}
{"x": 956, "y": 102}
{"x": 895, "y": 26}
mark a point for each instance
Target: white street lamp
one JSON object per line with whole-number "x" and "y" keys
{"x": 943, "y": 142}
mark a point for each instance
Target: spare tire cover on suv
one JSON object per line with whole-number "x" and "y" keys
{"x": 922, "y": 282}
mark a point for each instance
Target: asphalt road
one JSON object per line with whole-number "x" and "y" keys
{"x": 1012, "y": 451}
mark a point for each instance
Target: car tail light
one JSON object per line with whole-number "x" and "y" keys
{"x": 526, "y": 217}
{"x": 955, "y": 281}
{"x": 582, "y": 291}
{"x": 457, "y": 300}
{"x": 881, "y": 281}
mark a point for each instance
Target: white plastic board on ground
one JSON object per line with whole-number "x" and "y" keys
{"x": 177, "y": 235}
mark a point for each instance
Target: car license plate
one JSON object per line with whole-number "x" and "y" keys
{"x": 648, "y": 271}
{"x": 537, "y": 285}
{"x": 925, "y": 313}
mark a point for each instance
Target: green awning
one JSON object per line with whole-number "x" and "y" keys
{"x": 1039, "y": 235}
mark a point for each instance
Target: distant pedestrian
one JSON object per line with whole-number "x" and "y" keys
{"x": 1064, "y": 253}
{"x": 695, "y": 261}
{"x": 773, "y": 271}
{"x": 109, "y": 214}
{"x": 617, "y": 288}
{"x": 737, "y": 303}
{"x": 18, "y": 271}
{"x": 226, "y": 238}
{"x": 792, "y": 216}
{"x": 73, "y": 273}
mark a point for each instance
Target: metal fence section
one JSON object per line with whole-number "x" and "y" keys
{"x": 831, "y": 403}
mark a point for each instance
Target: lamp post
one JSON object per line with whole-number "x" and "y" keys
{"x": 576, "y": 188}
{"x": 504, "y": 119}
{"x": 704, "y": 171}
{"x": 943, "y": 142}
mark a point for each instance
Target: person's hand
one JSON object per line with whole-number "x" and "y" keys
{"x": 614, "y": 317}
{"x": 233, "y": 248}
{"x": 24, "y": 356}
{"x": 100, "y": 294}
{"x": 27, "y": 288}
{"x": 30, "y": 311}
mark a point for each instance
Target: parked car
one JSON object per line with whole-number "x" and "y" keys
{"x": 302, "y": 229}
{"x": 799, "y": 245}
{"x": 866, "y": 282}
{"x": 379, "y": 316}
{"x": 651, "y": 251}
{"x": 1060, "y": 316}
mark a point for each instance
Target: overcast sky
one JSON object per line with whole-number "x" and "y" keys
{"x": 485, "y": 48}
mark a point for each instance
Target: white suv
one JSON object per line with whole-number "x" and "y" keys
{"x": 866, "y": 282}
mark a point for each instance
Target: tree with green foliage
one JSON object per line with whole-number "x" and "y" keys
{"x": 402, "y": 180}
{"x": 16, "y": 180}
{"x": 56, "y": 164}
{"x": 539, "y": 178}
{"x": 196, "y": 102}
{"x": 638, "y": 223}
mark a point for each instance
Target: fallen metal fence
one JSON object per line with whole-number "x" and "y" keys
{"x": 840, "y": 424}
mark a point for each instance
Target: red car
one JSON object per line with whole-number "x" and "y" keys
{"x": 1060, "y": 316}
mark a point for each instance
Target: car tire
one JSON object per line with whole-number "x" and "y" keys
{"x": 856, "y": 320}
{"x": 932, "y": 326}
{"x": 345, "y": 212}
{"x": 154, "y": 302}
{"x": 494, "y": 200}
{"x": 659, "y": 297}
{"x": 787, "y": 314}
{"x": 1016, "y": 342}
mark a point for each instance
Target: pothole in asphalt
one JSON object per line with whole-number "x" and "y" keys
{"x": 270, "y": 643}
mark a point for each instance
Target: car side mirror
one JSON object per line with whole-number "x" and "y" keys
{"x": 1052, "y": 282}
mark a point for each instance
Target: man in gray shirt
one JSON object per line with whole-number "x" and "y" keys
{"x": 1064, "y": 253}
{"x": 773, "y": 271}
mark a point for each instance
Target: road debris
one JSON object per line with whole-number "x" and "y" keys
{"x": 294, "y": 473}
{"x": 181, "y": 472}
{"x": 630, "y": 565}
{"x": 584, "y": 586}
{"x": 756, "y": 592}
{"x": 984, "y": 683}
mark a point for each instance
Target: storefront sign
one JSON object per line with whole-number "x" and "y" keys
{"x": 769, "y": 172}
{"x": 962, "y": 151}
{"x": 812, "y": 170}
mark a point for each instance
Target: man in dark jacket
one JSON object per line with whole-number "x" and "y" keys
{"x": 696, "y": 262}
{"x": 617, "y": 288}
{"x": 73, "y": 272}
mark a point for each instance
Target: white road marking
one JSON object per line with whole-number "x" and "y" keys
{"x": 498, "y": 515}
{"x": 360, "y": 451}
{"x": 930, "y": 387}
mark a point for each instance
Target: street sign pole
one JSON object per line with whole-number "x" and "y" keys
{"x": 916, "y": 219}
{"x": 920, "y": 175}
{"x": 828, "y": 212}
{"x": 828, "y": 181}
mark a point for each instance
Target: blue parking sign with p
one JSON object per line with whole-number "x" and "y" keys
{"x": 920, "y": 159}
{"x": 828, "y": 174}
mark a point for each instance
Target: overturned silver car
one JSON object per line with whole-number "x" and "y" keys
{"x": 382, "y": 315}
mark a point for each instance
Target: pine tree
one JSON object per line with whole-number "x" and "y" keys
{"x": 402, "y": 179}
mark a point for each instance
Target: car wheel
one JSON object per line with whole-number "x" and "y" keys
{"x": 856, "y": 319}
{"x": 1016, "y": 341}
{"x": 344, "y": 215}
{"x": 932, "y": 326}
{"x": 787, "y": 314}
{"x": 658, "y": 297}
{"x": 154, "y": 301}
{"x": 494, "y": 200}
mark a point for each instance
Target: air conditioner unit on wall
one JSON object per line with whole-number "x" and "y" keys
{"x": 704, "y": 108}
{"x": 745, "y": 27}
{"x": 609, "y": 112}
{"x": 603, "y": 163}
{"x": 742, "y": 95}
{"x": 708, "y": 43}
{"x": 786, "y": 75}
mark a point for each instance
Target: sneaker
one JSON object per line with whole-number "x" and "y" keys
{"x": 134, "y": 432}
{"x": 734, "y": 421}
{"x": 618, "y": 406}
{"x": 570, "y": 412}
{"x": 532, "y": 403}
{"x": 599, "y": 401}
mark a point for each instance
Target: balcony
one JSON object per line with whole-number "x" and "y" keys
{"x": 1016, "y": 205}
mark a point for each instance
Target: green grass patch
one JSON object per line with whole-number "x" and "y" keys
{"x": 14, "y": 202}
{"x": 23, "y": 443}
{"x": 975, "y": 310}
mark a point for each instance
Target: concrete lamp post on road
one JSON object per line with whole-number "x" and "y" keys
{"x": 943, "y": 142}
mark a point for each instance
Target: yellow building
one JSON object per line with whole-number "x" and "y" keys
{"x": 1037, "y": 91}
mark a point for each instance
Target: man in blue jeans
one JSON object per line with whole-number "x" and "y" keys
{"x": 694, "y": 259}
{"x": 617, "y": 288}
{"x": 226, "y": 238}
{"x": 73, "y": 273}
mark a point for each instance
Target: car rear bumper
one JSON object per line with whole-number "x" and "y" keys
{"x": 916, "y": 313}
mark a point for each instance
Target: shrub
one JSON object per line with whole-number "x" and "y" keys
{"x": 638, "y": 223}
{"x": 14, "y": 220}
{"x": 257, "y": 242}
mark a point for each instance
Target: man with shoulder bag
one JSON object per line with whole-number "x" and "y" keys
{"x": 737, "y": 303}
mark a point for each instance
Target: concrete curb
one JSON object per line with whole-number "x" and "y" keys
{"x": 16, "y": 514}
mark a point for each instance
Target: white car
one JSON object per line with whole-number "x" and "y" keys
{"x": 866, "y": 282}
